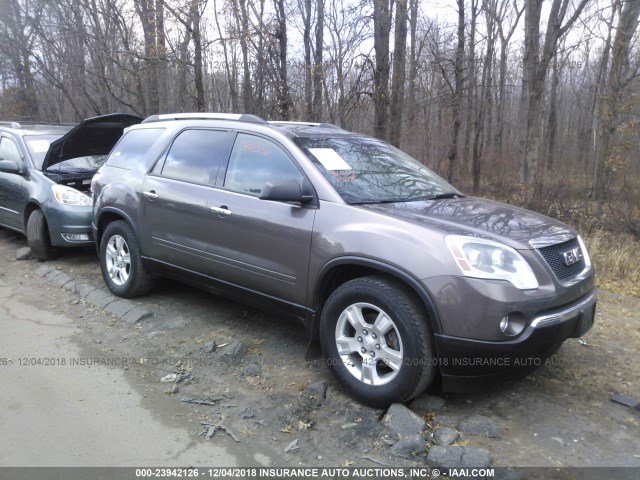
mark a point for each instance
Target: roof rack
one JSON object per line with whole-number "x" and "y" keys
{"x": 241, "y": 117}
{"x": 309, "y": 124}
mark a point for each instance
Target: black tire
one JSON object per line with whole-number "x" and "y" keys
{"x": 38, "y": 237}
{"x": 127, "y": 279}
{"x": 407, "y": 343}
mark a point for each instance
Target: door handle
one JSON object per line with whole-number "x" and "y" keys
{"x": 151, "y": 195}
{"x": 223, "y": 211}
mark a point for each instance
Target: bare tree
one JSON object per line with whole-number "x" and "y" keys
{"x": 381, "y": 31}
{"x": 458, "y": 92}
{"x": 19, "y": 21}
{"x": 318, "y": 67}
{"x": 535, "y": 66}
{"x": 398, "y": 78}
{"x": 620, "y": 75}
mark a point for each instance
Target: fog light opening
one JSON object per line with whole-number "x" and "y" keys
{"x": 76, "y": 237}
{"x": 512, "y": 324}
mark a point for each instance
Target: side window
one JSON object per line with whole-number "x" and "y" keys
{"x": 9, "y": 150}
{"x": 196, "y": 155}
{"x": 254, "y": 161}
{"x": 133, "y": 146}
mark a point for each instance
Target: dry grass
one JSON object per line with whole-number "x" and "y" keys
{"x": 616, "y": 257}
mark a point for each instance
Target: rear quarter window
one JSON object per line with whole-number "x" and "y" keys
{"x": 133, "y": 146}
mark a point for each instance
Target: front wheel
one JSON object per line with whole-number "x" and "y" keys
{"x": 121, "y": 262}
{"x": 38, "y": 237}
{"x": 375, "y": 338}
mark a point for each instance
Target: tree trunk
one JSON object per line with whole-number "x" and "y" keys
{"x": 472, "y": 85}
{"x": 198, "y": 70}
{"x": 452, "y": 156}
{"x": 552, "y": 121}
{"x": 229, "y": 68}
{"x": 535, "y": 67}
{"x": 397, "y": 81}
{"x": 381, "y": 30}
{"x": 485, "y": 104}
{"x": 318, "y": 67}
{"x": 284, "y": 100}
{"x": 618, "y": 79}
{"x": 161, "y": 51}
{"x": 146, "y": 12}
{"x": 413, "y": 65}
{"x": 308, "y": 76}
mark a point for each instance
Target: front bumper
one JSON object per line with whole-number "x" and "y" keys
{"x": 468, "y": 364}
{"x": 69, "y": 226}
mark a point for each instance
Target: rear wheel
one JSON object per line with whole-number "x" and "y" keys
{"x": 121, "y": 262}
{"x": 376, "y": 340}
{"x": 38, "y": 237}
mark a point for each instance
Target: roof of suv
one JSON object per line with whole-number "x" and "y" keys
{"x": 20, "y": 129}
{"x": 293, "y": 128}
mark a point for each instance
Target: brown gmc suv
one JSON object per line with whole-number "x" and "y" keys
{"x": 397, "y": 275}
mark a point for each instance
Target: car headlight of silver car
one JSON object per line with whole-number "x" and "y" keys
{"x": 480, "y": 258}
{"x": 70, "y": 196}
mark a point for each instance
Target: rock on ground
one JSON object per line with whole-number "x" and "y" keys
{"x": 24, "y": 253}
{"x": 479, "y": 425}
{"x": 43, "y": 270}
{"x": 120, "y": 308}
{"x": 427, "y": 403}
{"x": 409, "y": 446}
{"x": 209, "y": 347}
{"x": 60, "y": 280}
{"x": 445, "y": 436}
{"x": 137, "y": 314}
{"x": 252, "y": 370}
{"x": 100, "y": 298}
{"x": 458, "y": 457}
{"x": 233, "y": 353}
{"x": 403, "y": 422}
{"x": 317, "y": 389}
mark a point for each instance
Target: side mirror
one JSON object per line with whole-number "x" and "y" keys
{"x": 9, "y": 166}
{"x": 287, "y": 190}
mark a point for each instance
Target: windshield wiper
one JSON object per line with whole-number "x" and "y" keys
{"x": 441, "y": 196}
{"x": 374, "y": 202}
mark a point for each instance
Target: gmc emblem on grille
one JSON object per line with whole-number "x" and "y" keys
{"x": 572, "y": 256}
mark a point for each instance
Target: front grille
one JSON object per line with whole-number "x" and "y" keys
{"x": 553, "y": 255}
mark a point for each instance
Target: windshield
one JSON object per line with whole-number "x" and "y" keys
{"x": 367, "y": 170}
{"x": 38, "y": 145}
{"x": 78, "y": 164}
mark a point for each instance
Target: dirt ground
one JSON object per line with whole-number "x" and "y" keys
{"x": 561, "y": 415}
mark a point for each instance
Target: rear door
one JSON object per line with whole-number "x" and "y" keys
{"x": 174, "y": 216}
{"x": 12, "y": 196}
{"x": 258, "y": 244}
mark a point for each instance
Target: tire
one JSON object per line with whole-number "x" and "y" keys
{"x": 38, "y": 237}
{"x": 121, "y": 263}
{"x": 374, "y": 318}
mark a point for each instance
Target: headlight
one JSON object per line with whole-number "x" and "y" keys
{"x": 70, "y": 196}
{"x": 585, "y": 254}
{"x": 479, "y": 258}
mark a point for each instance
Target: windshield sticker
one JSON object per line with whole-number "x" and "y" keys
{"x": 343, "y": 177}
{"x": 330, "y": 159}
{"x": 39, "y": 146}
{"x": 256, "y": 148}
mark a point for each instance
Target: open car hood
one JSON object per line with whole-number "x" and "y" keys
{"x": 93, "y": 136}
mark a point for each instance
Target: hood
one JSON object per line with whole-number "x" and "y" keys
{"x": 93, "y": 136}
{"x": 473, "y": 216}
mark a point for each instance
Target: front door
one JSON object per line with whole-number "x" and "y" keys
{"x": 258, "y": 244}
{"x": 12, "y": 198}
